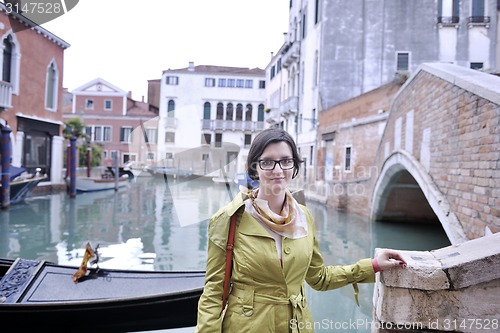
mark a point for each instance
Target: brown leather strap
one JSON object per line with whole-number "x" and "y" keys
{"x": 229, "y": 259}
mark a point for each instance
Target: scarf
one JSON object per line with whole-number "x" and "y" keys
{"x": 291, "y": 222}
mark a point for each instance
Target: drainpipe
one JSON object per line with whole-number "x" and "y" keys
{"x": 6, "y": 152}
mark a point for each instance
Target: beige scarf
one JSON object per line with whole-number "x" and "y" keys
{"x": 291, "y": 222}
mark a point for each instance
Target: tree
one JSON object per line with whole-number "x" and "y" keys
{"x": 76, "y": 127}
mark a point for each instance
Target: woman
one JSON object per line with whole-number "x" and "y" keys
{"x": 275, "y": 251}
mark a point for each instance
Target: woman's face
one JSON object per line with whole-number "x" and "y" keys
{"x": 275, "y": 181}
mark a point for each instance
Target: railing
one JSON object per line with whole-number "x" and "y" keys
{"x": 231, "y": 125}
{"x": 5, "y": 95}
{"x": 289, "y": 105}
{"x": 482, "y": 21}
{"x": 448, "y": 20}
{"x": 290, "y": 54}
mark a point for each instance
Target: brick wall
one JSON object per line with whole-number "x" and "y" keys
{"x": 463, "y": 153}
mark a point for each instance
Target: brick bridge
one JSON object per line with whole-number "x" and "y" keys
{"x": 438, "y": 158}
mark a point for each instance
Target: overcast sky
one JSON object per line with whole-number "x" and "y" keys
{"x": 129, "y": 42}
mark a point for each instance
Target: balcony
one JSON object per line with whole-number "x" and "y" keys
{"x": 170, "y": 122}
{"x": 478, "y": 21}
{"x": 290, "y": 54}
{"x": 448, "y": 21}
{"x": 289, "y": 106}
{"x": 5, "y": 95}
{"x": 231, "y": 125}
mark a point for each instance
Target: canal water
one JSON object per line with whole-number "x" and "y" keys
{"x": 156, "y": 225}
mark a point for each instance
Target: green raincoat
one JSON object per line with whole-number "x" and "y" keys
{"x": 266, "y": 296}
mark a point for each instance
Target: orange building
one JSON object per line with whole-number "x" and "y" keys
{"x": 31, "y": 93}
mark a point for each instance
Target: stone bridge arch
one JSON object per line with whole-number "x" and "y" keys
{"x": 404, "y": 180}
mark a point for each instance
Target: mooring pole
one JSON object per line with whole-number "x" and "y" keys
{"x": 6, "y": 152}
{"x": 72, "y": 166}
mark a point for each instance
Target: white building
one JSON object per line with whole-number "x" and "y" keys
{"x": 208, "y": 117}
{"x": 336, "y": 50}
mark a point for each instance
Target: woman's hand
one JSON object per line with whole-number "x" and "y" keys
{"x": 389, "y": 259}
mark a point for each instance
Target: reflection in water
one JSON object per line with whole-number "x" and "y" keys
{"x": 167, "y": 222}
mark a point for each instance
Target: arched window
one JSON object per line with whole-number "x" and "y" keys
{"x": 51, "y": 87}
{"x": 248, "y": 113}
{"x": 170, "y": 109}
{"x": 11, "y": 61}
{"x": 260, "y": 113}
{"x": 7, "y": 59}
{"x": 220, "y": 111}
{"x": 229, "y": 111}
{"x": 206, "y": 110}
{"x": 239, "y": 111}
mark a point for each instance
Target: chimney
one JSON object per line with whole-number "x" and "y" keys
{"x": 191, "y": 66}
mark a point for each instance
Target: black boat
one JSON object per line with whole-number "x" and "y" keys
{"x": 104, "y": 300}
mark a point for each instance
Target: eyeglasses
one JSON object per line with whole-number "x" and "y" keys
{"x": 285, "y": 164}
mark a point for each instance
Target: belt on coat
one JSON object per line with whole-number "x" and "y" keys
{"x": 248, "y": 297}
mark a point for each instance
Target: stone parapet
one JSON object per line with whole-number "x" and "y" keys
{"x": 453, "y": 289}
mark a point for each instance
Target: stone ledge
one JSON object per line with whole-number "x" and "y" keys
{"x": 451, "y": 267}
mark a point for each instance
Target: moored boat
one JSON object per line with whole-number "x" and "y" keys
{"x": 105, "y": 300}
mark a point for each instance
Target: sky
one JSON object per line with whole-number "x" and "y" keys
{"x": 129, "y": 42}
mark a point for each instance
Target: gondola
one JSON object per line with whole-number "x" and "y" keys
{"x": 42, "y": 294}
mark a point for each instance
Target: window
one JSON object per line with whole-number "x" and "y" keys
{"x": 51, "y": 87}
{"x": 218, "y": 139}
{"x": 108, "y": 104}
{"x": 248, "y": 140}
{"x": 220, "y": 111}
{"x": 206, "y": 138}
{"x": 11, "y": 59}
{"x": 403, "y": 61}
{"x": 348, "y": 158}
{"x": 151, "y": 135}
{"x": 239, "y": 111}
{"x": 273, "y": 72}
{"x": 7, "y": 59}
{"x": 169, "y": 156}
{"x": 316, "y": 12}
{"x": 172, "y": 80}
{"x": 206, "y": 110}
{"x": 209, "y": 82}
{"x": 476, "y": 65}
{"x": 222, "y": 82}
{"x": 260, "y": 113}
{"x": 249, "y": 84}
{"x": 248, "y": 113}
{"x": 150, "y": 156}
{"x": 278, "y": 66}
{"x": 106, "y": 133}
{"x": 171, "y": 106}
{"x": 169, "y": 137}
{"x": 229, "y": 111}
{"x": 262, "y": 84}
{"x": 240, "y": 83}
{"x": 114, "y": 154}
{"x": 311, "y": 154}
{"x": 448, "y": 12}
{"x": 230, "y": 83}
{"x": 126, "y": 134}
{"x": 205, "y": 157}
{"x": 304, "y": 26}
{"x": 89, "y": 104}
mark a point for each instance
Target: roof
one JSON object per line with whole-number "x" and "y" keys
{"x": 32, "y": 25}
{"x": 218, "y": 70}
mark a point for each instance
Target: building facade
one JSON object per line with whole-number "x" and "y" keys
{"x": 208, "y": 117}
{"x": 125, "y": 129}
{"x": 337, "y": 50}
{"x": 31, "y": 94}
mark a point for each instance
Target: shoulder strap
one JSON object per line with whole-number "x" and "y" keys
{"x": 229, "y": 259}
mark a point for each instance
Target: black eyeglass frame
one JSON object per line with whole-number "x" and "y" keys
{"x": 277, "y": 162}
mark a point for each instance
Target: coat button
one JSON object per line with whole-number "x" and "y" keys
{"x": 287, "y": 250}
